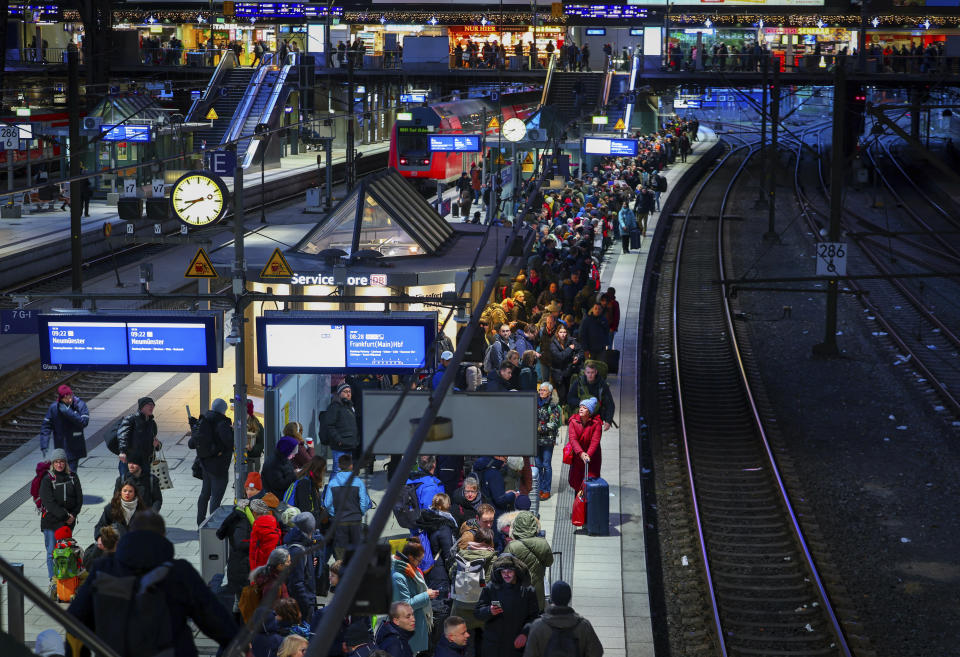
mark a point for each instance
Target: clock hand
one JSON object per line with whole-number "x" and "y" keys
{"x": 196, "y": 200}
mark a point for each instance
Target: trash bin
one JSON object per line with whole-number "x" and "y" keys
{"x": 213, "y": 551}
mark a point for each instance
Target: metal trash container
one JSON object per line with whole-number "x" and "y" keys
{"x": 213, "y": 551}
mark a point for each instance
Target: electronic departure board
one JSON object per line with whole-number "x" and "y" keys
{"x": 609, "y": 146}
{"x": 148, "y": 343}
{"x": 455, "y": 143}
{"x": 138, "y": 133}
{"x": 266, "y": 10}
{"x": 344, "y": 342}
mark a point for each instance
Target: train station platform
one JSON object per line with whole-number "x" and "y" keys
{"x": 607, "y": 573}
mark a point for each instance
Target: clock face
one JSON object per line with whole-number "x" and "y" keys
{"x": 199, "y": 198}
{"x": 513, "y": 129}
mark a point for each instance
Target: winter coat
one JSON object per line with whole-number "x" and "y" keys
{"x": 549, "y": 420}
{"x": 584, "y": 438}
{"x": 108, "y": 520}
{"x": 450, "y": 472}
{"x": 593, "y": 333}
{"x": 626, "y": 219}
{"x": 394, "y": 640}
{"x": 66, "y": 423}
{"x": 237, "y": 528}
{"x": 277, "y": 474}
{"x": 61, "y": 495}
{"x": 496, "y": 383}
{"x": 266, "y": 642}
{"x": 148, "y": 488}
{"x": 356, "y": 507}
{"x": 581, "y": 389}
{"x": 307, "y": 498}
{"x": 254, "y": 437}
{"x": 302, "y": 580}
{"x": 557, "y": 619}
{"x": 427, "y": 487}
{"x": 528, "y": 379}
{"x": 488, "y": 470}
{"x": 561, "y": 360}
{"x": 519, "y": 603}
{"x": 221, "y": 436}
{"x": 135, "y": 436}
{"x": 303, "y": 456}
{"x": 340, "y": 421}
{"x": 409, "y": 586}
{"x": 530, "y": 548}
{"x": 441, "y": 529}
{"x": 187, "y": 595}
{"x": 465, "y": 609}
{"x": 462, "y": 508}
{"x": 264, "y": 537}
{"x": 447, "y": 648}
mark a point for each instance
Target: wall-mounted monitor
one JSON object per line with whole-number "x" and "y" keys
{"x": 454, "y": 143}
{"x": 345, "y": 342}
{"x": 608, "y": 146}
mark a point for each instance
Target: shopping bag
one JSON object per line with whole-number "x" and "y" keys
{"x": 161, "y": 470}
{"x": 568, "y": 453}
{"x": 578, "y": 515}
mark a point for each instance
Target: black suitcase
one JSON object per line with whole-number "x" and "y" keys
{"x": 597, "y": 492}
{"x": 612, "y": 358}
{"x": 636, "y": 238}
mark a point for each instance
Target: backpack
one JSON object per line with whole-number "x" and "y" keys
{"x": 661, "y": 183}
{"x": 563, "y": 643}
{"x": 406, "y": 510}
{"x": 290, "y": 496}
{"x": 249, "y": 601}
{"x": 468, "y": 580}
{"x": 201, "y": 435}
{"x": 67, "y": 560}
{"x": 113, "y": 440}
{"x": 429, "y": 560}
{"x": 131, "y": 613}
{"x": 43, "y": 470}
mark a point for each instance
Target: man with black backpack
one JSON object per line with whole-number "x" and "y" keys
{"x": 560, "y": 631}
{"x": 140, "y": 599}
{"x": 137, "y": 435}
{"x": 212, "y": 436}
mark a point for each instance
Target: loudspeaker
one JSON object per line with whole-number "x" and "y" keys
{"x": 158, "y": 209}
{"x": 130, "y": 209}
{"x": 376, "y": 589}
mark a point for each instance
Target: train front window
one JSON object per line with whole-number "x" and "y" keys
{"x": 412, "y": 142}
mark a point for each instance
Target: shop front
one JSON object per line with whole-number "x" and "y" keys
{"x": 509, "y": 36}
{"x": 808, "y": 48}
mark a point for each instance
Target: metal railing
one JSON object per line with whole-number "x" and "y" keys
{"x": 200, "y": 105}
{"x": 253, "y": 90}
{"x": 272, "y": 112}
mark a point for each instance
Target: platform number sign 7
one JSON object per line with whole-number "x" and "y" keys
{"x": 831, "y": 259}
{"x": 10, "y": 137}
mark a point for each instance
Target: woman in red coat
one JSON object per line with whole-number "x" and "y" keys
{"x": 584, "y": 431}
{"x": 264, "y": 535}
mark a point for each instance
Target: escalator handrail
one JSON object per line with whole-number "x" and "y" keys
{"x": 228, "y": 62}
{"x": 243, "y": 107}
{"x": 551, "y": 66}
{"x": 271, "y": 108}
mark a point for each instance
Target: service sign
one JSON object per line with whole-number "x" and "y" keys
{"x": 344, "y": 342}
{"x": 149, "y": 343}
{"x": 607, "y": 146}
{"x": 454, "y": 143}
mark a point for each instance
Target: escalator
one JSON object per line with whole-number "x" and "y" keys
{"x": 223, "y": 95}
{"x": 574, "y": 95}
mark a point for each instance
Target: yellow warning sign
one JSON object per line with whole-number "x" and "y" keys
{"x": 529, "y": 158}
{"x": 494, "y": 124}
{"x": 620, "y": 125}
{"x": 276, "y": 267}
{"x": 212, "y": 115}
{"x": 200, "y": 266}
{"x": 500, "y": 159}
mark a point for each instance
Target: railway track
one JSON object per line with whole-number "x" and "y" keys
{"x": 763, "y": 593}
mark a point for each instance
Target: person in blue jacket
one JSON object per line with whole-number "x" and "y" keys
{"x": 66, "y": 419}
{"x": 425, "y": 481}
{"x": 394, "y": 635}
{"x": 488, "y": 470}
{"x": 350, "y": 502}
{"x": 445, "y": 359}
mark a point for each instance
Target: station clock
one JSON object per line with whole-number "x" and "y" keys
{"x": 199, "y": 198}
{"x": 514, "y": 129}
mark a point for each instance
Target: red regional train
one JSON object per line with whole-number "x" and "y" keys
{"x": 410, "y": 153}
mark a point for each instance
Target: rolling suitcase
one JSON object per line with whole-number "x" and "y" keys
{"x": 597, "y": 492}
{"x": 612, "y": 358}
{"x": 636, "y": 238}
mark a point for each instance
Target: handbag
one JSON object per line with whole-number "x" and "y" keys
{"x": 196, "y": 469}
{"x": 161, "y": 470}
{"x": 568, "y": 454}
{"x": 578, "y": 515}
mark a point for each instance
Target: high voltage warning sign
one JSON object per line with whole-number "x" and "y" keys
{"x": 494, "y": 124}
{"x": 276, "y": 267}
{"x": 620, "y": 125}
{"x": 200, "y": 266}
{"x": 212, "y": 115}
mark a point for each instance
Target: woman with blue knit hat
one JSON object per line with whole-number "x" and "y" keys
{"x": 584, "y": 431}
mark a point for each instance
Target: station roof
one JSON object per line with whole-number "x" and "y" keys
{"x": 385, "y": 214}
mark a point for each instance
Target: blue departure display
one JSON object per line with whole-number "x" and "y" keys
{"x": 455, "y": 143}
{"x": 609, "y": 146}
{"x": 266, "y": 10}
{"x": 413, "y": 98}
{"x": 318, "y": 342}
{"x": 146, "y": 344}
{"x": 139, "y": 133}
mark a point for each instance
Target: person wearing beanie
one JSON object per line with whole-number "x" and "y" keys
{"x": 358, "y": 639}
{"x": 560, "y": 618}
{"x": 252, "y": 485}
{"x": 212, "y": 436}
{"x": 49, "y": 644}
{"x": 236, "y": 528}
{"x": 61, "y": 497}
{"x": 301, "y": 582}
{"x": 254, "y": 448}
{"x": 65, "y": 421}
{"x": 340, "y": 425}
{"x": 277, "y": 472}
{"x": 584, "y": 431}
{"x": 137, "y": 435}
{"x": 303, "y": 453}
{"x": 506, "y": 623}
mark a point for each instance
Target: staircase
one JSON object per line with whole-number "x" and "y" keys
{"x": 235, "y": 82}
{"x": 575, "y": 94}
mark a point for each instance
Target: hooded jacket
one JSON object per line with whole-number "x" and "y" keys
{"x": 61, "y": 495}
{"x": 462, "y": 508}
{"x": 187, "y": 595}
{"x": 277, "y": 474}
{"x": 530, "y": 548}
{"x": 340, "y": 421}
{"x": 409, "y": 586}
{"x": 519, "y": 603}
{"x": 302, "y": 580}
{"x": 353, "y": 505}
{"x": 237, "y": 528}
{"x": 66, "y": 423}
{"x": 394, "y": 640}
{"x": 264, "y": 537}
{"x": 492, "y": 487}
{"x": 441, "y": 529}
{"x": 558, "y": 618}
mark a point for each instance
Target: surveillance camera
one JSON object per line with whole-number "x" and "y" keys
{"x": 233, "y": 340}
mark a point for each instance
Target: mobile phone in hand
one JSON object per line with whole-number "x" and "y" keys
{"x": 495, "y": 603}
{"x": 188, "y": 412}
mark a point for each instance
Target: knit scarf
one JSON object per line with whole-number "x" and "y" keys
{"x": 128, "y": 508}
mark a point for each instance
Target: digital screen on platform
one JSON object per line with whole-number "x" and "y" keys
{"x": 348, "y": 342}
{"x": 265, "y": 10}
{"x": 139, "y": 133}
{"x": 413, "y": 98}
{"x": 455, "y": 143}
{"x": 123, "y": 343}
{"x": 609, "y": 146}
